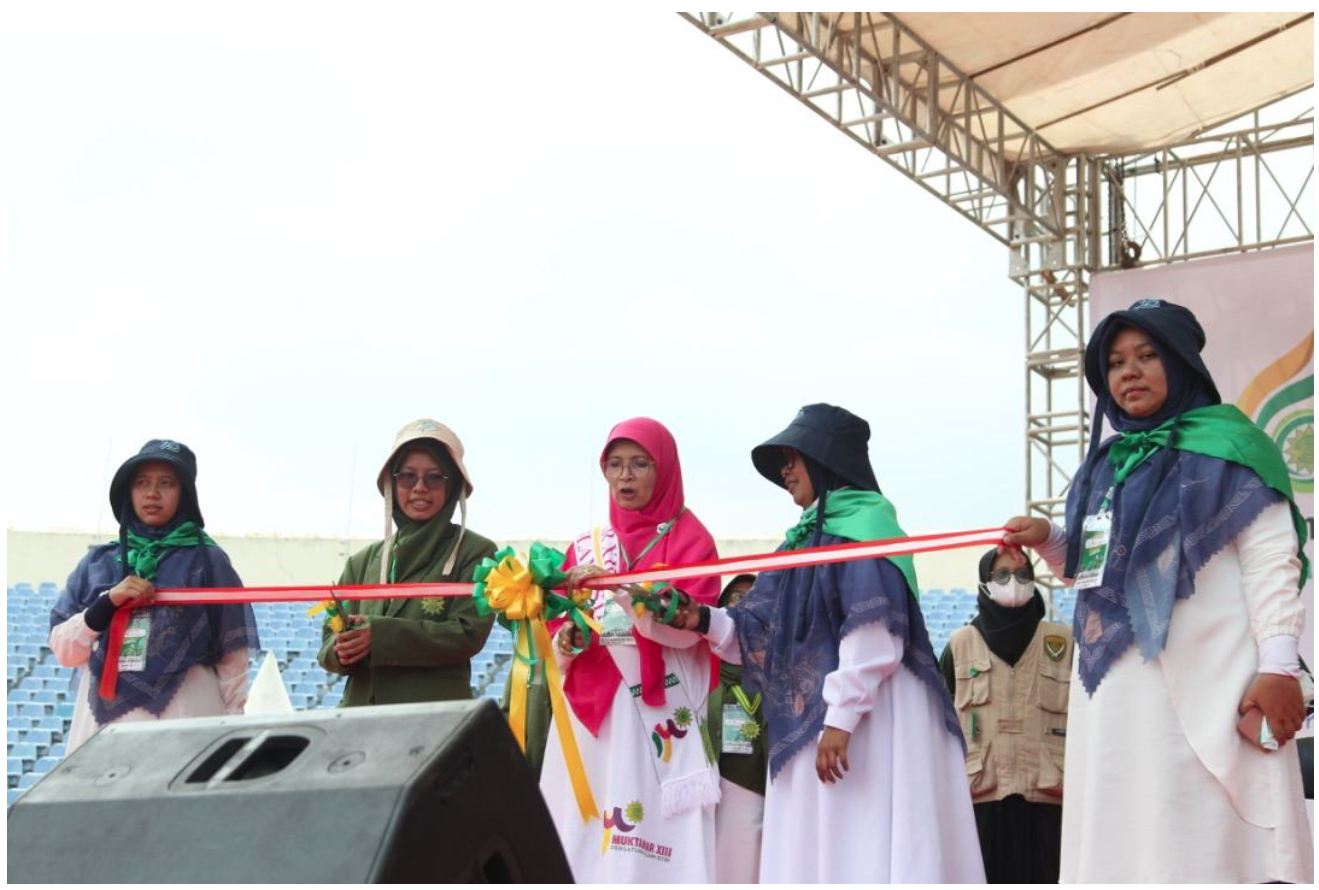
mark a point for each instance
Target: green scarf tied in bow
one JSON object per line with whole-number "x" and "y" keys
{"x": 145, "y": 554}
{"x": 1219, "y": 431}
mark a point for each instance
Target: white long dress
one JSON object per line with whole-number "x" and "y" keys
{"x": 620, "y": 763}
{"x": 205, "y": 691}
{"x": 902, "y": 813}
{"x": 1159, "y": 785}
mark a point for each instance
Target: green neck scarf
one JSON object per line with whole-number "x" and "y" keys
{"x": 1220, "y": 431}
{"x": 859, "y": 516}
{"x": 420, "y": 548}
{"x": 144, "y": 554}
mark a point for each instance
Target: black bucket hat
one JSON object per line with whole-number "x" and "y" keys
{"x": 1174, "y": 327}
{"x": 167, "y": 451}
{"x": 834, "y": 437}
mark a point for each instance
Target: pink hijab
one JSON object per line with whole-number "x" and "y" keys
{"x": 592, "y": 677}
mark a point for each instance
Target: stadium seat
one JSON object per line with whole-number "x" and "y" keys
{"x": 24, "y": 751}
{"x": 14, "y": 794}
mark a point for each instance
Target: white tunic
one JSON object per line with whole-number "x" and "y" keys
{"x": 902, "y": 813}
{"x": 620, "y": 763}
{"x": 1159, "y": 786}
{"x": 205, "y": 691}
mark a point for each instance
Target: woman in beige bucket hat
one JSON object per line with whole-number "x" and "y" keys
{"x": 412, "y": 650}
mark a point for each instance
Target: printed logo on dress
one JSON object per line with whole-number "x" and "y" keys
{"x": 673, "y": 728}
{"x": 625, "y": 820}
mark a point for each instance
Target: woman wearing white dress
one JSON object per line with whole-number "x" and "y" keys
{"x": 867, "y": 776}
{"x": 1185, "y": 545}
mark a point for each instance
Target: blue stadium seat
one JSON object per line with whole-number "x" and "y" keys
{"x": 24, "y": 751}
{"x": 27, "y": 780}
{"x": 40, "y": 737}
{"x": 331, "y": 700}
{"x": 65, "y": 710}
{"x": 14, "y": 766}
{"x": 56, "y": 750}
{"x": 47, "y": 763}
{"x": 14, "y": 795}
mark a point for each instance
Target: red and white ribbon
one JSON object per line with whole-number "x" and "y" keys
{"x": 732, "y": 565}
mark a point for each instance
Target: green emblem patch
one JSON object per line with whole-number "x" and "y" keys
{"x": 1055, "y": 647}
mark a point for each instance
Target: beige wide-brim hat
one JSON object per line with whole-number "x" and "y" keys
{"x": 422, "y": 430}
{"x": 436, "y": 432}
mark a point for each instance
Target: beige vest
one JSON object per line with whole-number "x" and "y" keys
{"x": 1014, "y": 717}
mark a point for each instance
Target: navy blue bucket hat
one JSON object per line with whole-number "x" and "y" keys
{"x": 834, "y": 437}
{"x": 166, "y": 451}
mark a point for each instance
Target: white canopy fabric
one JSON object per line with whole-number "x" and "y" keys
{"x": 1101, "y": 82}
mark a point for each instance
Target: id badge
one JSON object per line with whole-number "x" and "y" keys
{"x": 736, "y": 739}
{"x": 1095, "y": 533}
{"x": 133, "y": 652}
{"x": 615, "y": 627}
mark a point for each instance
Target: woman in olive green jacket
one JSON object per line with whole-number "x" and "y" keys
{"x": 412, "y": 650}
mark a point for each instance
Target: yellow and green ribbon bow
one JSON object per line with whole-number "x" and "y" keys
{"x": 524, "y": 594}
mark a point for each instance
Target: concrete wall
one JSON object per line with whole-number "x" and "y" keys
{"x": 275, "y": 560}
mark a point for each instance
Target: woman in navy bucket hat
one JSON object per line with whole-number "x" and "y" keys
{"x": 176, "y": 661}
{"x": 863, "y": 744}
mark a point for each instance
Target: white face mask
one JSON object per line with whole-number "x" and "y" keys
{"x": 1013, "y": 594}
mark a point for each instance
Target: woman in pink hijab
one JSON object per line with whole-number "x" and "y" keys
{"x": 638, "y": 690}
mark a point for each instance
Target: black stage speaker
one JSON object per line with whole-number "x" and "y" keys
{"x": 422, "y": 793}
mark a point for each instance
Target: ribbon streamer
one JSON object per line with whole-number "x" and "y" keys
{"x": 113, "y": 647}
{"x": 764, "y": 562}
{"x": 523, "y": 594}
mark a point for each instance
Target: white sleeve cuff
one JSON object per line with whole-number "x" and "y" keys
{"x": 1054, "y": 549}
{"x": 722, "y": 636}
{"x": 1280, "y": 655}
{"x": 842, "y": 717}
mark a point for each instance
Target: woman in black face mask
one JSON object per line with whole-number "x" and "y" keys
{"x": 1008, "y": 672}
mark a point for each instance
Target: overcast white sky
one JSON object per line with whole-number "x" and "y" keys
{"x": 278, "y": 231}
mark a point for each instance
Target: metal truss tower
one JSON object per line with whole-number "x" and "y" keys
{"x": 1061, "y": 217}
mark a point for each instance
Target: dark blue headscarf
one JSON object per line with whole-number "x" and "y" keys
{"x": 181, "y": 636}
{"x": 1170, "y": 516}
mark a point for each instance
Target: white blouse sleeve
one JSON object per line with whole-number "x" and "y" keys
{"x": 1054, "y": 552}
{"x": 722, "y": 637}
{"x": 866, "y": 657}
{"x": 72, "y": 641}
{"x": 1270, "y": 573}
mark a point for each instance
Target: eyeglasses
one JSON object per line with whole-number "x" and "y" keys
{"x": 1002, "y": 576}
{"x": 639, "y": 466}
{"x": 409, "y": 479}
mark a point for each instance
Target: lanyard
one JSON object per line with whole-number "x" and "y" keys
{"x": 664, "y": 529}
{"x": 748, "y": 705}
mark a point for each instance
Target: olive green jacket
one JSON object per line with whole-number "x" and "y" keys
{"x": 421, "y": 649}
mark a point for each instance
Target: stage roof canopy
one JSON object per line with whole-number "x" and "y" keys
{"x": 1100, "y": 82}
